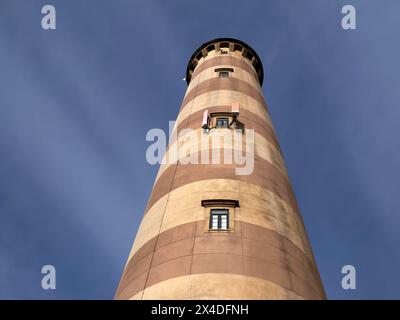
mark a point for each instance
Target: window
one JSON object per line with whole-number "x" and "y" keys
{"x": 224, "y": 74}
{"x": 237, "y": 47}
{"x": 221, "y": 214}
{"x": 222, "y": 123}
{"x": 219, "y": 219}
{"x": 224, "y": 51}
{"x": 210, "y": 48}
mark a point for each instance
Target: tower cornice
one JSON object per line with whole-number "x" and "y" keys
{"x": 232, "y": 45}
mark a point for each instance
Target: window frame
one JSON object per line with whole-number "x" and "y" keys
{"x": 223, "y": 74}
{"x": 224, "y": 51}
{"x": 224, "y": 71}
{"x": 222, "y": 212}
{"x": 224, "y": 119}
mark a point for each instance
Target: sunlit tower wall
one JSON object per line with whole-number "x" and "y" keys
{"x": 208, "y": 232}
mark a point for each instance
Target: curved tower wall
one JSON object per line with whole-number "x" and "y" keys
{"x": 265, "y": 253}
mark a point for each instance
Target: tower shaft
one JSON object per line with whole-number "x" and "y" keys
{"x": 209, "y": 232}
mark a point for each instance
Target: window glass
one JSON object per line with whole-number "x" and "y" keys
{"x": 219, "y": 219}
{"x": 222, "y": 123}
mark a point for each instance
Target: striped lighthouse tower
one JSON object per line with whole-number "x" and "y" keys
{"x": 217, "y": 229}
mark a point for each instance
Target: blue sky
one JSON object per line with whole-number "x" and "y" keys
{"x": 76, "y": 103}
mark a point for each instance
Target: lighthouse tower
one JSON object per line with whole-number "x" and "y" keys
{"x": 219, "y": 229}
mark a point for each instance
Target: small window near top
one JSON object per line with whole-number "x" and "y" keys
{"x": 224, "y": 51}
{"x": 219, "y": 219}
{"x": 222, "y": 123}
{"x": 224, "y": 74}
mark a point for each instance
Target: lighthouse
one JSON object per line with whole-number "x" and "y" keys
{"x": 225, "y": 225}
